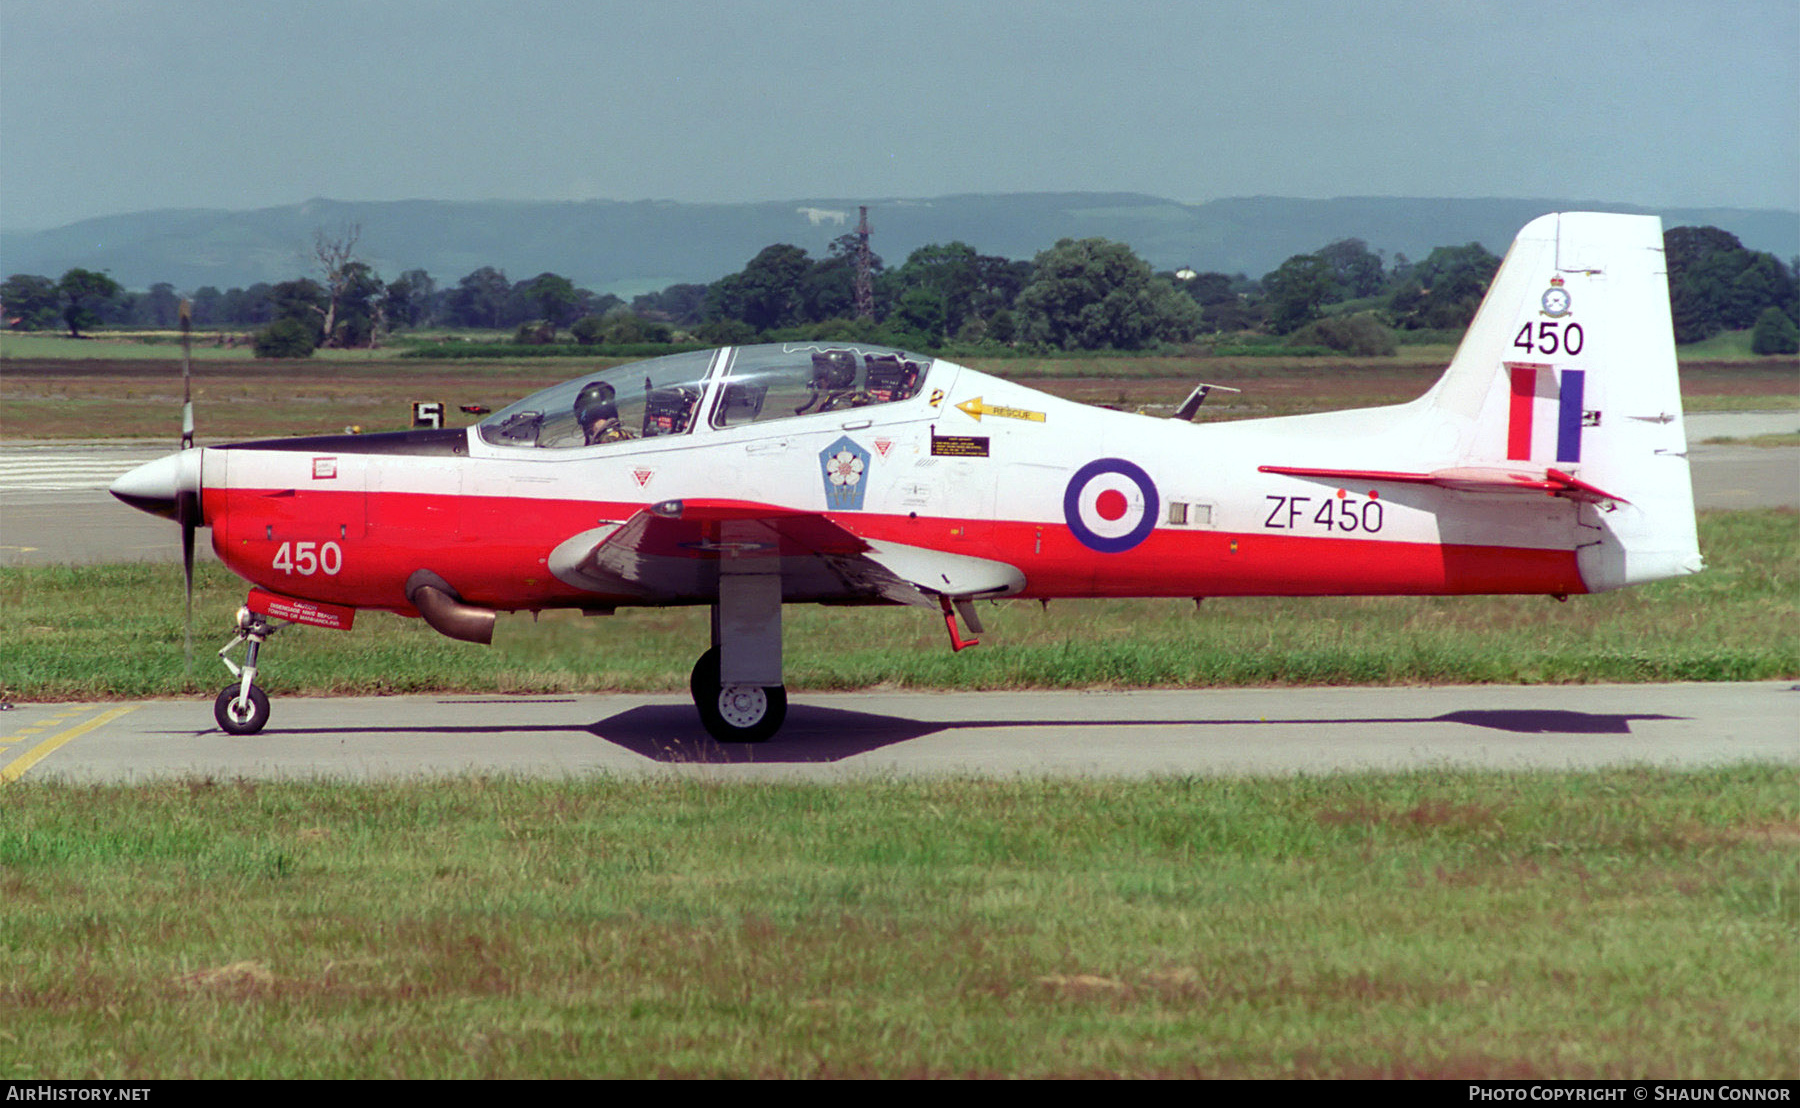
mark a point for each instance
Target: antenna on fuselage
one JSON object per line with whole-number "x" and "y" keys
{"x": 1191, "y": 406}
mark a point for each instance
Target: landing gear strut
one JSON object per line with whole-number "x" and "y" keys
{"x": 242, "y": 708}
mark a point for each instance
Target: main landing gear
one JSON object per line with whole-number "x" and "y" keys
{"x": 242, "y": 708}
{"x": 737, "y": 684}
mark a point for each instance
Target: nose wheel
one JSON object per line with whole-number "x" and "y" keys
{"x": 735, "y": 713}
{"x": 238, "y": 714}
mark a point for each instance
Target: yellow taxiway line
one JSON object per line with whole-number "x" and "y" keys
{"x": 16, "y": 768}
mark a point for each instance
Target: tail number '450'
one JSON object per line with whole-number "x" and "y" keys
{"x": 308, "y": 558}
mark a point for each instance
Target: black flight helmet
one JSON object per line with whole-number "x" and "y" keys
{"x": 594, "y": 403}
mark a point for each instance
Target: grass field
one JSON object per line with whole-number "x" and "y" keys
{"x": 105, "y": 631}
{"x": 1625, "y": 924}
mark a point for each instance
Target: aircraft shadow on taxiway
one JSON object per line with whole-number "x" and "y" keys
{"x": 671, "y": 733}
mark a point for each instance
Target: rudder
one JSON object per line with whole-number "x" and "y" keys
{"x": 1569, "y": 368}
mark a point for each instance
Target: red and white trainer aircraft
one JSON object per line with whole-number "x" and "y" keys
{"x": 1550, "y": 458}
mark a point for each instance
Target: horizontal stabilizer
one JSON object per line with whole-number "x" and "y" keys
{"x": 1484, "y": 479}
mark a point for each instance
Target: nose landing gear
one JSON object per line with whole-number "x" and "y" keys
{"x": 242, "y": 708}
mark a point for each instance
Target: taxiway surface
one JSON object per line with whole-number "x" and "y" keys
{"x": 833, "y": 736}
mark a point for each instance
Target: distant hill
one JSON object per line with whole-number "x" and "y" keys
{"x": 628, "y": 248}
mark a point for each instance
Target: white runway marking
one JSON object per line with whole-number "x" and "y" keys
{"x": 66, "y": 469}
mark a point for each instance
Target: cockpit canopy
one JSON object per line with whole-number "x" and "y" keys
{"x": 663, "y": 396}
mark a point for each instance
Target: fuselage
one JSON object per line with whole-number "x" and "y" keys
{"x": 1083, "y": 501}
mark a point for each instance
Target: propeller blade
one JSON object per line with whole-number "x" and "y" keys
{"x": 187, "y": 359}
{"x": 187, "y": 504}
{"x": 187, "y": 510}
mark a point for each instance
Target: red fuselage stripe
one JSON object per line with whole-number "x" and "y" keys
{"x": 493, "y": 550}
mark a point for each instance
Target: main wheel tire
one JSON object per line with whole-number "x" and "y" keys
{"x": 237, "y": 718}
{"x": 735, "y": 713}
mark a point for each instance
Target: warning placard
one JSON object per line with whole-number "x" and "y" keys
{"x": 959, "y": 446}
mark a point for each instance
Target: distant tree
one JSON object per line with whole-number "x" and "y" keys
{"x": 1356, "y": 269}
{"x": 84, "y": 293}
{"x": 554, "y": 297}
{"x": 287, "y": 338}
{"x": 1091, "y": 294}
{"x": 1297, "y": 291}
{"x": 1208, "y": 289}
{"x": 621, "y": 326}
{"x": 828, "y": 288}
{"x": 208, "y": 302}
{"x": 345, "y": 277}
{"x": 684, "y": 305}
{"x": 253, "y": 305}
{"x": 727, "y": 332}
{"x": 766, "y": 293}
{"x": 931, "y": 293}
{"x": 1445, "y": 290}
{"x": 588, "y": 330}
{"x": 479, "y": 300}
{"x": 1774, "y": 333}
{"x": 361, "y": 308}
{"x": 1361, "y": 334}
{"x": 1715, "y": 284}
{"x": 589, "y": 302}
{"x": 30, "y": 302}
{"x": 304, "y": 301}
{"x": 410, "y": 299}
{"x": 920, "y": 316}
{"x": 1223, "y": 307}
{"x": 159, "y": 308}
{"x": 945, "y": 287}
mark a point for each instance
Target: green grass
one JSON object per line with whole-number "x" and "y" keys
{"x": 1730, "y": 345}
{"x": 115, "y": 631}
{"x": 1770, "y": 442}
{"x": 1624, "y": 924}
{"x": 134, "y": 346}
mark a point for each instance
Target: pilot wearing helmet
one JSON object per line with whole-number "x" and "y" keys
{"x": 598, "y": 415}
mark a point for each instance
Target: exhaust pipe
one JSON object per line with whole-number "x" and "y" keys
{"x": 445, "y": 611}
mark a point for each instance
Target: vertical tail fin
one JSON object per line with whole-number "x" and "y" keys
{"x": 1569, "y": 367}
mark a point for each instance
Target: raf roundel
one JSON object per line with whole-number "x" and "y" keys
{"x": 1110, "y": 505}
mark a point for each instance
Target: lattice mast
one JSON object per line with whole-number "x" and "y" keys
{"x": 865, "y": 285}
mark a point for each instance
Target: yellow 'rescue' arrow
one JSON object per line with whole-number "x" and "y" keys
{"x": 977, "y": 409}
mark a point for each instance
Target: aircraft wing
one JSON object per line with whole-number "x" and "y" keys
{"x": 677, "y": 550}
{"x": 1483, "y": 479}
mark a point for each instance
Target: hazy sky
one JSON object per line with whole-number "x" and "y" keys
{"x": 111, "y": 106}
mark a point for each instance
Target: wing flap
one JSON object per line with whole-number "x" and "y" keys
{"x": 673, "y": 551}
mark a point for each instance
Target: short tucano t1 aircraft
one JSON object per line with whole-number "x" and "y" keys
{"x": 1550, "y": 458}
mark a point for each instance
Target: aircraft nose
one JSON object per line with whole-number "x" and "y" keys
{"x": 154, "y": 486}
